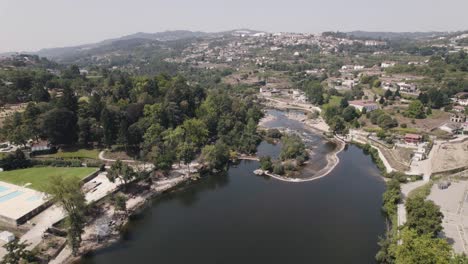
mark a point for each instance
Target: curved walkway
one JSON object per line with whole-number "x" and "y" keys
{"x": 332, "y": 161}
{"x": 101, "y": 157}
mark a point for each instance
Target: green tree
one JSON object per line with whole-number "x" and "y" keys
{"x": 59, "y": 125}
{"x": 292, "y": 147}
{"x": 186, "y": 152}
{"x": 66, "y": 191}
{"x": 265, "y": 163}
{"x": 68, "y": 100}
{"x": 388, "y": 94}
{"x": 216, "y": 156}
{"x": 120, "y": 202}
{"x": 314, "y": 92}
{"x": 385, "y": 121}
{"x": 278, "y": 168}
{"x": 422, "y": 249}
{"x": 39, "y": 94}
{"x": 194, "y": 131}
{"x": 459, "y": 259}
{"x": 349, "y": 113}
{"x": 391, "y": 197}
{"x": 122, "y": 171}
{"x": 423, "y": 216}
{"x": 17, "y": 253}
{"x": 109, "y": 126}
{"x": 84, "y": 134}
{"x": 344, "y": 103}
{"x": 415, "y": 110}
{"x": 337, "y": 125}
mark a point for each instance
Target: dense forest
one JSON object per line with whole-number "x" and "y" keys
{"x": 161, "y": 119}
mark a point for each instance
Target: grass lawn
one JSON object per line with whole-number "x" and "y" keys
{"x": 74, "y": 154}
{"x": 334, "y": 101}
{"x": 39, "y": 176}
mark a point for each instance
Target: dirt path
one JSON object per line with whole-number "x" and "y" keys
{"x": 101, "y": 157}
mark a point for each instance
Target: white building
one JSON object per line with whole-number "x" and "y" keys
{"x": 387, "y": 64}
{"x": 7, "y": 236}
{"x": 361, "y": 104}
{"x": 408, "y": 88}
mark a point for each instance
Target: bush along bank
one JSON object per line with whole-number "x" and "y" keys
{"x": 391, "y": 198}
{"x": 374, "y": 153}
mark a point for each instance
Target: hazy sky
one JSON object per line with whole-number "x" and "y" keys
{"x": 27, "y": 25}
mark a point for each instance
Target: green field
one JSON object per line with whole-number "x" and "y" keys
{"x": 74, "y": 154}
{"x": 334, "y": 101}
{"x": 39, "y": 176}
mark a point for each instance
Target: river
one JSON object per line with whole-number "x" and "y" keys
{"x": 243, "y": 218}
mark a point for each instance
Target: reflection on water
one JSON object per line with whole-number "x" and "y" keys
{"x": 242, "y": 218}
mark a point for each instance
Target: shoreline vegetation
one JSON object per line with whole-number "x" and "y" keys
{"x": 138, "y": 203}
{"x": 318, "y": 128}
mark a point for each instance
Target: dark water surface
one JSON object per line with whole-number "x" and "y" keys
{"x": 243, "y": 218}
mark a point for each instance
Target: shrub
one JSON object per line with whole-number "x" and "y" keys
{"x": 278, "y": 168}
{"x": 273, "y": 133}
{"x": 265, "y": 163}
{"x": 289, "y": 166}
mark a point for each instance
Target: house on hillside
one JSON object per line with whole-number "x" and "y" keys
{"x": 408, "y": 88}
{"x": 457, "y": 118}
{"x": 361, "y": 104}
{"x": 387, "y": 64}
{"x": 389, "y": 86}
{"x": 461, "y": 99}
{"x": 42, "y": 147}
{"x": 459, "y": 109}
{"x": 413, "y": 138}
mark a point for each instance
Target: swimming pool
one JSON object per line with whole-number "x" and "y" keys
{"x": 10, "y": 196}
{"x": 3, "y": 188}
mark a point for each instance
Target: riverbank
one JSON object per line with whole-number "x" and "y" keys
{"x": 196, "y": 222}
{"x": 116, "y": 221}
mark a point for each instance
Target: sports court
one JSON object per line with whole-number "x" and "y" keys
{"x": 18, "y": 204}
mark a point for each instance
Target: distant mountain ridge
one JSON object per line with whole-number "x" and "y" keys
{"x": 56, "y": 53}
{"x": 166, "y": 36}
{"x": 129, "y": 43}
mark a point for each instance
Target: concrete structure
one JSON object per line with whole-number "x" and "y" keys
{"x": 7, "y": 237}
{"x": 459, "y": 109}
{"x": 452, "y": 128}
{"x": 361, "y": 104}
{"x": 19, "y": 204}
{"x": 419, "y": 155}
{"x": 408, "y": 88}
{"x": 452, "y": 202}
{"x": 41, "y": 146}
{"x": 461, "y": 98}
{"x": 457, "y": 118}
{"x": 413, "y": 138}
{"x": 387, "y": 64}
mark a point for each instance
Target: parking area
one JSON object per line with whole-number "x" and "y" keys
{"x": 453, "y": 204}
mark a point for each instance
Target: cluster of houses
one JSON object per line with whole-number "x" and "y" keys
{"x": 243, "y": 45}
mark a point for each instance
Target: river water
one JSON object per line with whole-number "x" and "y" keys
{"x": 243, "y": 218}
